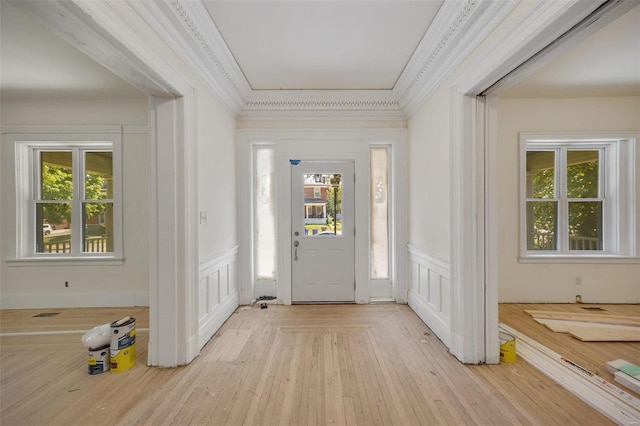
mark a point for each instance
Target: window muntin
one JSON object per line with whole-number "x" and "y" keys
{"x": 577, "y": 197}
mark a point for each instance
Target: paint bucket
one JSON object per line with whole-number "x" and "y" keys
{"x": 123, "y": 344}
{"x": 99, "y": 360}
{"x": 507, "y": 347}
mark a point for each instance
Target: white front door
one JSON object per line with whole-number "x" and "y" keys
{"x": 322, "y": 231}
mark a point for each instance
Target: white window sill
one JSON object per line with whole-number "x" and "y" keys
{"x": 66, "y": 261}
{"x": 559, "y": 258}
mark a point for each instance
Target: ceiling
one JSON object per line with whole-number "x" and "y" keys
{"x": 38, "y": 64}
{"x": 606, "y": 63}
{"x": 322, "y": 47}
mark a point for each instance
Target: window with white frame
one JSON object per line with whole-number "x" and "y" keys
{"x": 68, "y": 199}
{"x": 577, "y": 196}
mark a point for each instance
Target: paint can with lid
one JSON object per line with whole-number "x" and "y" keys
{"x": 123, "y": 344}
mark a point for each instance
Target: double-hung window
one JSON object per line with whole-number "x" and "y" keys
{"x": 68, "y": 198}
{"x": 577, "y": 196}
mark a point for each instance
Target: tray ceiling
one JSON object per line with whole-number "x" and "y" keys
{"x": 322, "y": 45}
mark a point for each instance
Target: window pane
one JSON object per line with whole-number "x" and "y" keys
{"x": 582, "y": 174}
{"x": 56, "y": 176}
{"x": 265, "y": 216}
{"x": 53, "y": 228}
{"x": 542, "y": 225}
{"x": 323, "y": 215}
{"x": 541, "y": 174}
{"x": 379, "y": 214}
{"x": 585, "y": 225}
{"x": 98, "y": 227}
{"x": 98, "y": 183}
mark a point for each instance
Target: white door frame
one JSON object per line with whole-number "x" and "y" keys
{"x": 302, "y": 144}
{"x": 474, "y": 145}
{"x": 106, "y": 35}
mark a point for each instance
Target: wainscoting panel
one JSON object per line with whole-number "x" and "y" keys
{"x": 430, "y": 292}
{"x": 217, "y": 293}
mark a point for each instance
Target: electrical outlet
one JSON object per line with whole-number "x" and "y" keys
{"x": 66, "y": 283}
{"x": 578, "y": 280}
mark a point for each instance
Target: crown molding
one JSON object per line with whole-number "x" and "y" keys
{"x": 189, "y": 31}
{"x": 112, "y": 34}
{"x": 457, "y": 29}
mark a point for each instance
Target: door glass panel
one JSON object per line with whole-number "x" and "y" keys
{"x": 265, "y": 220}
{"x": 379, "y": 214}
{"x": 322, "y": 205}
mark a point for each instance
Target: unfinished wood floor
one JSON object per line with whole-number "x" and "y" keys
{"x": 591, "y": 355}
{"x": 285, "y": 365}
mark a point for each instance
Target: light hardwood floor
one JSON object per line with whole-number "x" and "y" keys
{"x": 285, "y": 365}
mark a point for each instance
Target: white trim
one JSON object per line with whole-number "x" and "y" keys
{"x": 217, "y": 295}
{"x": 62, "y": 129}
{"x": 78, "y": 141}
{"x": 100, "y": 29}
{"x": 429, "y": 294}
{"x": 174, "y": 237}
{"x": 135, "y": 129}
{"x": 188, "y": 29}
{"x": 458, "y": 29}
{"x": 103, "y": 33}
{"x": 217, "y": 260}
{"x": 66, "y": 261}
{"x": 617, "y": 181}
{"x": 215, "y": 321}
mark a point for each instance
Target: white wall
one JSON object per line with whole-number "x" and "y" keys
{"x": 526, "y": 282}
{"x": 216, "y": 176}
{"x": 119, "y": 285}
{"x": 429, "y": 170}
{"x": 429, "y": 292}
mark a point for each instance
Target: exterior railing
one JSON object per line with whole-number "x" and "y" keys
{"x": 91, "y": 245}
{"x": 546, "y": 242}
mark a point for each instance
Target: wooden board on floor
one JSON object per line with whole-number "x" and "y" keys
{"x": 567, "y": 326}
{"x": 606, "y": 335}
{"x": 573, "y": 316}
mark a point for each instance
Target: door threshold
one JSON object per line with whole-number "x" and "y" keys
{"x": 324, "y": 303}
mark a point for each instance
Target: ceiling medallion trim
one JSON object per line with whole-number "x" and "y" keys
{"x": 321, "y": 104}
